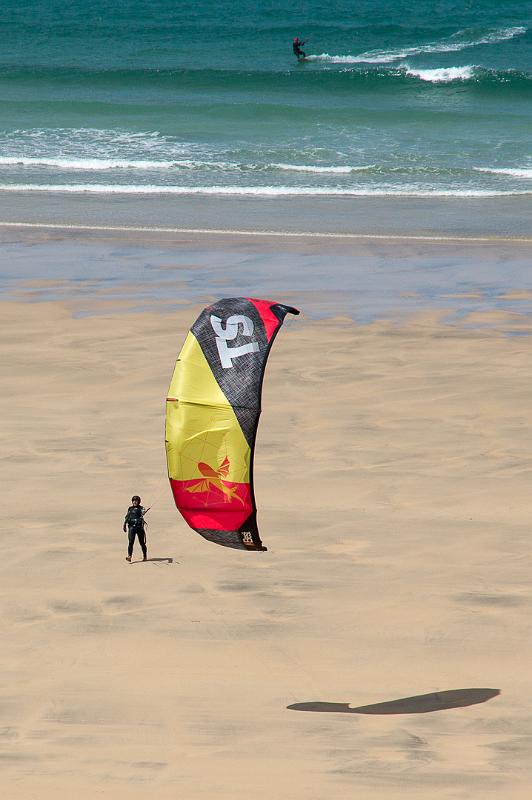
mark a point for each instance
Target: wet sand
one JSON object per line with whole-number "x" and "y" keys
{"x": 365, "y": 279}
{"x": 392, "y": 474}
{"x": 487, "y": 217}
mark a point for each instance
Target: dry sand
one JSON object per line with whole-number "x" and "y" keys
{"x": 393, "y": 479}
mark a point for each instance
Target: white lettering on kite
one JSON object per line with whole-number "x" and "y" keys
{"x": 230, "y": 332}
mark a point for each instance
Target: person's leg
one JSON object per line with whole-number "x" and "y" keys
{"x": 131, "y": 539}
{"x": 142, "y": 541}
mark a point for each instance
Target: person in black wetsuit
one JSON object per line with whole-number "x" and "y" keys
{"x": 134, "y": 521}
{"x": 297, "y": 44}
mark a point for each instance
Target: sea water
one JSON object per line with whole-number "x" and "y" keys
{"x": 207, "y": 98}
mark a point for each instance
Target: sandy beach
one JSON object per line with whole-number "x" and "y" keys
{"x": 370, "y": 165}
{"x": 392, "y": 477}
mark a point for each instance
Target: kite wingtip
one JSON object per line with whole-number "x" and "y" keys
{"x": 292, "y": 310}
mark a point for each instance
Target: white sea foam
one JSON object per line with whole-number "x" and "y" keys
{"x": 257, "y": 191}
{"x": 345, "y": 170}
{"x": 103, "y": 164}
{"x": 450, "y": 45}
{"x": 90, "y": 164}
{"x": 94, "y": 149}
{"x": 441, "y": 74}
{"x": 514, "y": 172}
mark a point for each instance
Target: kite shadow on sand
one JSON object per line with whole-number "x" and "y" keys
{"x": 419, "y": 704}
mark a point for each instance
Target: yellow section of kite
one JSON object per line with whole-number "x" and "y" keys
{"x": 201, "y": 426}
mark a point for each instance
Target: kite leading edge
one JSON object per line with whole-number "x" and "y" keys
{"x": 212, "y": 414}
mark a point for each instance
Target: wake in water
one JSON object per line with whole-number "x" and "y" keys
{"x": 458, "y": 41}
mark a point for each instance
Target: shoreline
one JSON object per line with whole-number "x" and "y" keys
{"x": 365, "y": 217}
{"x": 61, "y": 226}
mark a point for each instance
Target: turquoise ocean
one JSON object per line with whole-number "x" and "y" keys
{"x": 206, "y": 98}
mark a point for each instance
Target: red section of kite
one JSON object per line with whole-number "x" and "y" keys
{"x": 271, "y": 322}
{"x": 201, "y": 500}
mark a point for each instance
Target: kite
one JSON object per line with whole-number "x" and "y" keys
{"x": 212, "y": 414}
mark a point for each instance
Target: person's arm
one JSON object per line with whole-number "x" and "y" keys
{"x": 126, "y": 520}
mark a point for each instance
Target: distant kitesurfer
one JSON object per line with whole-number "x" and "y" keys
{"x": 134, "y": 521}
{"x": 296, "y": 47}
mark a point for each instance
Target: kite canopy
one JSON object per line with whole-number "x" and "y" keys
{"x": 212, "y": 414}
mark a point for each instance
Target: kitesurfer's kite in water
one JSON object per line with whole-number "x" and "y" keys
{"x": 297, "y": 44}
{"x": 212, "y": 414}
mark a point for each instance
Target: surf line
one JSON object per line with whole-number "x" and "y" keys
{"x": 235, "y": 232}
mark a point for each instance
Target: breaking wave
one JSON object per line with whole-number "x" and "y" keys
{"x": 104, "y": 164}
{"x": 259, "y": 191}
{"x": 441, "y": 74}
{"x": 514, "y": 172}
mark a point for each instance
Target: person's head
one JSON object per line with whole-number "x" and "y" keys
{"x": 135, "y": 500}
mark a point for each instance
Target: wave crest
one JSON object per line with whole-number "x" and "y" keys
{"x": 514, "y": 172}
{"x": 259, "y": 191}
{"x": 441, "y": 74}
{"x": 104, "y": 164}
